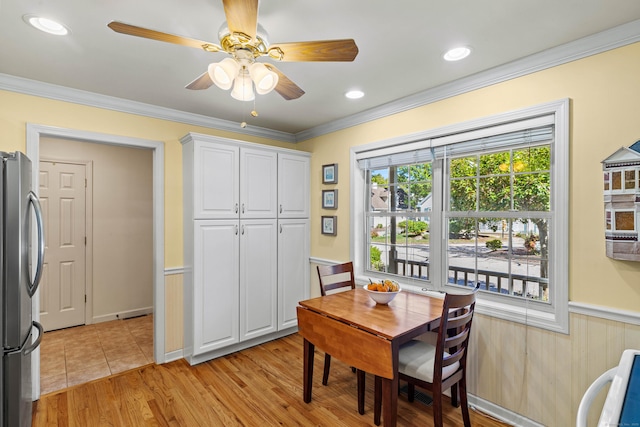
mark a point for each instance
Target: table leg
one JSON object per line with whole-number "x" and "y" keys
{"x": 377, "y": 400}
{"x": 361, "y": 386}
{"x": 307, "y": 380}
{"x": 390, "y": 401}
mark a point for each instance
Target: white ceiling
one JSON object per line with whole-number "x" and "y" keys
{"x": 400, "y": 49}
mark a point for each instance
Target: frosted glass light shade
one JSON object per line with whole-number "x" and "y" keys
{"x": 265, "y": 79}
{"x": 222, "y": 73}
{"x": 243, "y": 88}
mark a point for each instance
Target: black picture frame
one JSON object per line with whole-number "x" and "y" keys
{"x": 329, "y": 225}
{"x": 330, "y": 173}
{"x": 329, "y": 199}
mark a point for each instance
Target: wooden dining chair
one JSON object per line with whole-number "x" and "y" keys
{"x": 440, "y": 367}
{"x": 335, "y": 278}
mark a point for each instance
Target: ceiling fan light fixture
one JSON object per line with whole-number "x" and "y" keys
{"x": 457, "y": 53}
{"x": 45, "y": 24}
{"x": 243, "y": 87}
{"x": 222, "y": 73}
{"x": 265, "y": 79}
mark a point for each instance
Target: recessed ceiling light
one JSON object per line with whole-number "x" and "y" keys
{"x": 354, "y": 94}
{"x": 45, "y": 24}
{"x": 457, "y": 53}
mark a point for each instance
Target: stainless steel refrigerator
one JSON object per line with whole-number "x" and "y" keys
{"x": 20, "y": 272}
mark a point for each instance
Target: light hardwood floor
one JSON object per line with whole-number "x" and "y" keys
{"x": 83, "y": 353}
{"x": 261, "y": 386}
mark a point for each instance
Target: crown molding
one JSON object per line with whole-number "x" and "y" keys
{"x": 597, "y": 43}
{"x": 76, "y": 96}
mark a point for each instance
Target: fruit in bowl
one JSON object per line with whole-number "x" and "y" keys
{"x": 383, "y": 292}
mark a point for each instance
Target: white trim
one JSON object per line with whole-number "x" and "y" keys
{"x": 33, "y": 134}
{"x": 554, "y": 316}
{"x": 615, "y": 314}
{"x": 322, "y": 261}
{"x": 123, "y": 315}
{"x": 173, "y": 356}
{"x": 506, "y": 416}
{"x": 173, "y": 270}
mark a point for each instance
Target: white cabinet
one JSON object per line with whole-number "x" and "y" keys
{"x": 258, "y": 183}
{"x": 233, "y": 182}
{"x": 293, "y": 265}
{"x": 216, "y": 271}
{"x": 246, "y": 243}
{"x": 258, "y": 278}
{"x": 216, "y": 180}
{"x": 293, "y": 186}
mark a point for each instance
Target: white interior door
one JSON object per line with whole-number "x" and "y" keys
{"x": 62, "y": 289}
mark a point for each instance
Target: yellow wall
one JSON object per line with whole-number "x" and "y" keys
{"x": 16, "y": 110}
{"x": 604, "y": 92}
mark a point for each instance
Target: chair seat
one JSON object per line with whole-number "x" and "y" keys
{"x": 417, "y": 358}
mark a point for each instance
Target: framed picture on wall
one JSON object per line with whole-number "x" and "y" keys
{"x": 330, "y": 225}
{"x": 330, "y": 174}
{"x": 329, "y": 199}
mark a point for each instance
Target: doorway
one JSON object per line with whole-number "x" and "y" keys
{"x": 114, "y": 285}
{"x": 34, "y": 135}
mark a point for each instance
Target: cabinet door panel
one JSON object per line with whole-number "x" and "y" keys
{"x": 293, "y": 269}
{"x": 258, "y": 184}
{"x": 293, "y": 186}
{"x": 258, "y": 278}
{"x": 216, "y": 181}
{"x": 216, "y": 290}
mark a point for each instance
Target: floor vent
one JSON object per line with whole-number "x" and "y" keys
{"x": 418, "y": 395}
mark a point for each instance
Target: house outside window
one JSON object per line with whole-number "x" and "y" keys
{"x": 477, "y": 204}
{"x": 622, "y": 203}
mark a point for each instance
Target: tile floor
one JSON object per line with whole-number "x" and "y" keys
{"x": 84, "y": 353}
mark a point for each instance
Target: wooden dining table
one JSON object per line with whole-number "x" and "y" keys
{"x": 351, "y": 327}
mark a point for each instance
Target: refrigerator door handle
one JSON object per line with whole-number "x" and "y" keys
{"x": 28, "y": 349}
{"x": 33, "y": 200}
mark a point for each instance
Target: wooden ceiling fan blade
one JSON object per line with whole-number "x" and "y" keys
{"x": 242, "y": 16}
{"x": 132, "y": 30}
{"x": 321, "y": 50}
{"x": 286, "y": 88}
{"x": 203, "y": 81}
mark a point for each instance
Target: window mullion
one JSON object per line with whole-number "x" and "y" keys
{"x": 438, "y": 239}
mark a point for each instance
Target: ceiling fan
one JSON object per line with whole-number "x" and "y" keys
{"x": 245, "y": 40}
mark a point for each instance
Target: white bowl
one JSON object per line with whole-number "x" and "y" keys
{"x": 382, "y": 297}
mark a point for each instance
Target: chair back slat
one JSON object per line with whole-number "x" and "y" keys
{"x": 338, "y": 276}
{"x": 456, "y": 340}
{"x": 460, "y": 320}
{"x": 453, "y": 358}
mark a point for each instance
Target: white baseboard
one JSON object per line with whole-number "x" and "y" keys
{"x": 173, "y": 356}
{"x": 122, "y": 315}
{"x": 500, "y": 413}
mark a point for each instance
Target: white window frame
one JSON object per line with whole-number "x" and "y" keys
{"x": 553, "y": 316}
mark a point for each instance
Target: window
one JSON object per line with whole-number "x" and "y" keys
{"x": 625, "y": 220}
{"x": 498, "y": 219}
{"x": 482, "y": 203}
{"x": 398, "y": 217}
{"x": 630, "y": 180}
